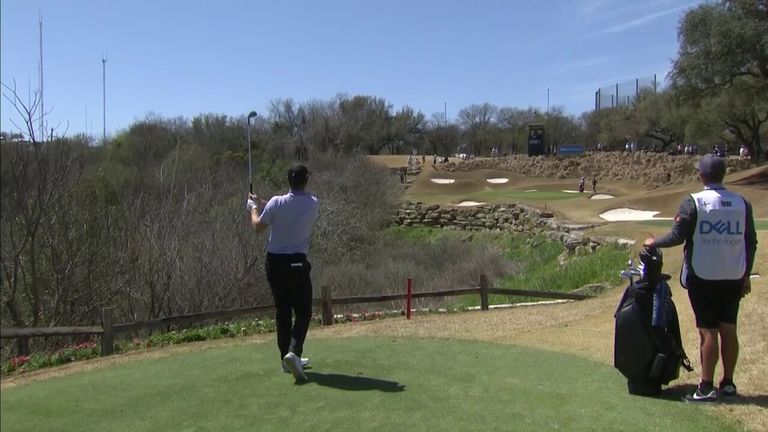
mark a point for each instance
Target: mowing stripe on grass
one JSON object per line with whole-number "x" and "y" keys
{"x": 356, "y": 384}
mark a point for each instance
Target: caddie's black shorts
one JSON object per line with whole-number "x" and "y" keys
{"x": 714, "y": 302}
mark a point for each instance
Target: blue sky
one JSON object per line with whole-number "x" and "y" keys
{"x": 183, "y": 58}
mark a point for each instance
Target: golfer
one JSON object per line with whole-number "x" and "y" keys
{"x": 720, "y": 243}
{"x": 290, "y": 218}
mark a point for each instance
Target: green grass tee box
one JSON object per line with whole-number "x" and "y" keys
{"x": 383, "y": 384}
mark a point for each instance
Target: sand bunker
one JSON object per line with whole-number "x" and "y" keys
{"x": 469, "y": 203}
{"x": 627, "y": 214}
{"x": 442, "y": 181}
{"x": 497, "y": 180}
{"x": 601, "y": 196}
{"x": 570, "y": 191}
{"x": 531, "y": 190}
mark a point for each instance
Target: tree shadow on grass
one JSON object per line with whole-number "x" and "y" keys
{"x": 355, "y": 383}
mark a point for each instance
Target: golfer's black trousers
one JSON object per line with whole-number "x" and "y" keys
{"x": 291, "y": 287}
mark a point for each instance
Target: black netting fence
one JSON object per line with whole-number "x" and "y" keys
{"x": 623, "y": 93}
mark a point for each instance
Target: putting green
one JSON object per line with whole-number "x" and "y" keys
{"x": 517, "y": 195}
{"x": 356, "y": 384}
{"x": 498, "y": 196}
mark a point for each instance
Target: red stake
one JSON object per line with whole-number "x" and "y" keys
{"x": 408, "y": 295}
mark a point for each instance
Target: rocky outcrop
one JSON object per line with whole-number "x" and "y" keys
{"x": 504, "y": 217}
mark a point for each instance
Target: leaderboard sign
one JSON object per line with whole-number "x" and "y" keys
{"x": 535, "y": 140}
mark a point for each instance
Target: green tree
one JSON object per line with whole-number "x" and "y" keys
{"x": 663, "y": 117}
{"x": 722, "y": 41}
{"x": 723, "y": 55}
{"x": 514, "y": 125}
{"x": 560, "y": 128}
{"x": 364, "y": 124}
{"x": 405, "y": 130}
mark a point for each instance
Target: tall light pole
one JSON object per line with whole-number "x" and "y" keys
{"x": 251, "y": 115}
{"x": 42, "y": 104}
{"x": 104, "y": 98}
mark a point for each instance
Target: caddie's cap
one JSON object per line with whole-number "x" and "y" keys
{"x": 711, "y": 166}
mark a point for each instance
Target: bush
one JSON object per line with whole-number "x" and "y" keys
{"x": 23, "y": 363}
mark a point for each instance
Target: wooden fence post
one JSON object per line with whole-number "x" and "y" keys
{"x": 22, "y": 344}
{"x": 483, "y": 292}
{"x": 107, "y": 342}
{"x": 326, "y": 304}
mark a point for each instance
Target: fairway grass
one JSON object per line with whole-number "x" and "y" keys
{"x": 384, "y": 383}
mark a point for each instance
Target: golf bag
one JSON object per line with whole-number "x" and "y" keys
{"x": 648, "y": 349}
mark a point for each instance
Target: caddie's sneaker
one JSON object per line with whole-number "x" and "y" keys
{"x": 727, "y": 389}
{"x": 304, "y": 364}
{"x": 293, "y": 363}
{"x": 706, "y": 395}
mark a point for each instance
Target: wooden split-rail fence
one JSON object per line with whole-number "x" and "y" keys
{"x": 108, "y": 329}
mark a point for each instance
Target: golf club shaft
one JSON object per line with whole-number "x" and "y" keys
{"x": 250, "y": 168}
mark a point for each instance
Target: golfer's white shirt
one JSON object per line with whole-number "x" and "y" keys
{"x": 290, "y": 218}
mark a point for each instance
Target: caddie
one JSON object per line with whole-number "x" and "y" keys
{"x": 720, "y": 243}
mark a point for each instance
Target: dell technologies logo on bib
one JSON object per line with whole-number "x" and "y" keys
{"x": 722, "y": 229}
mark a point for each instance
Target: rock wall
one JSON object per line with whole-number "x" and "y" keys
{"x": 503, "y": 217}
{"x": 507, "y": 217}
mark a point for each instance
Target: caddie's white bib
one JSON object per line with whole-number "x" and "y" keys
{"x": 719, "y": 250}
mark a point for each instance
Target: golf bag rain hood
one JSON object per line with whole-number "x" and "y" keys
{"x": 648, "y": 349}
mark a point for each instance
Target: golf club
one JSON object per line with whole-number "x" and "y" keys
{"x": 251, "y": 115}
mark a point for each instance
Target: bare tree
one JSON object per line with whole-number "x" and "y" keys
{"x": 34, "y": 176}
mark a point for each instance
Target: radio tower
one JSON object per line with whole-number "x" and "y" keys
{"x": 42, "y": 105}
